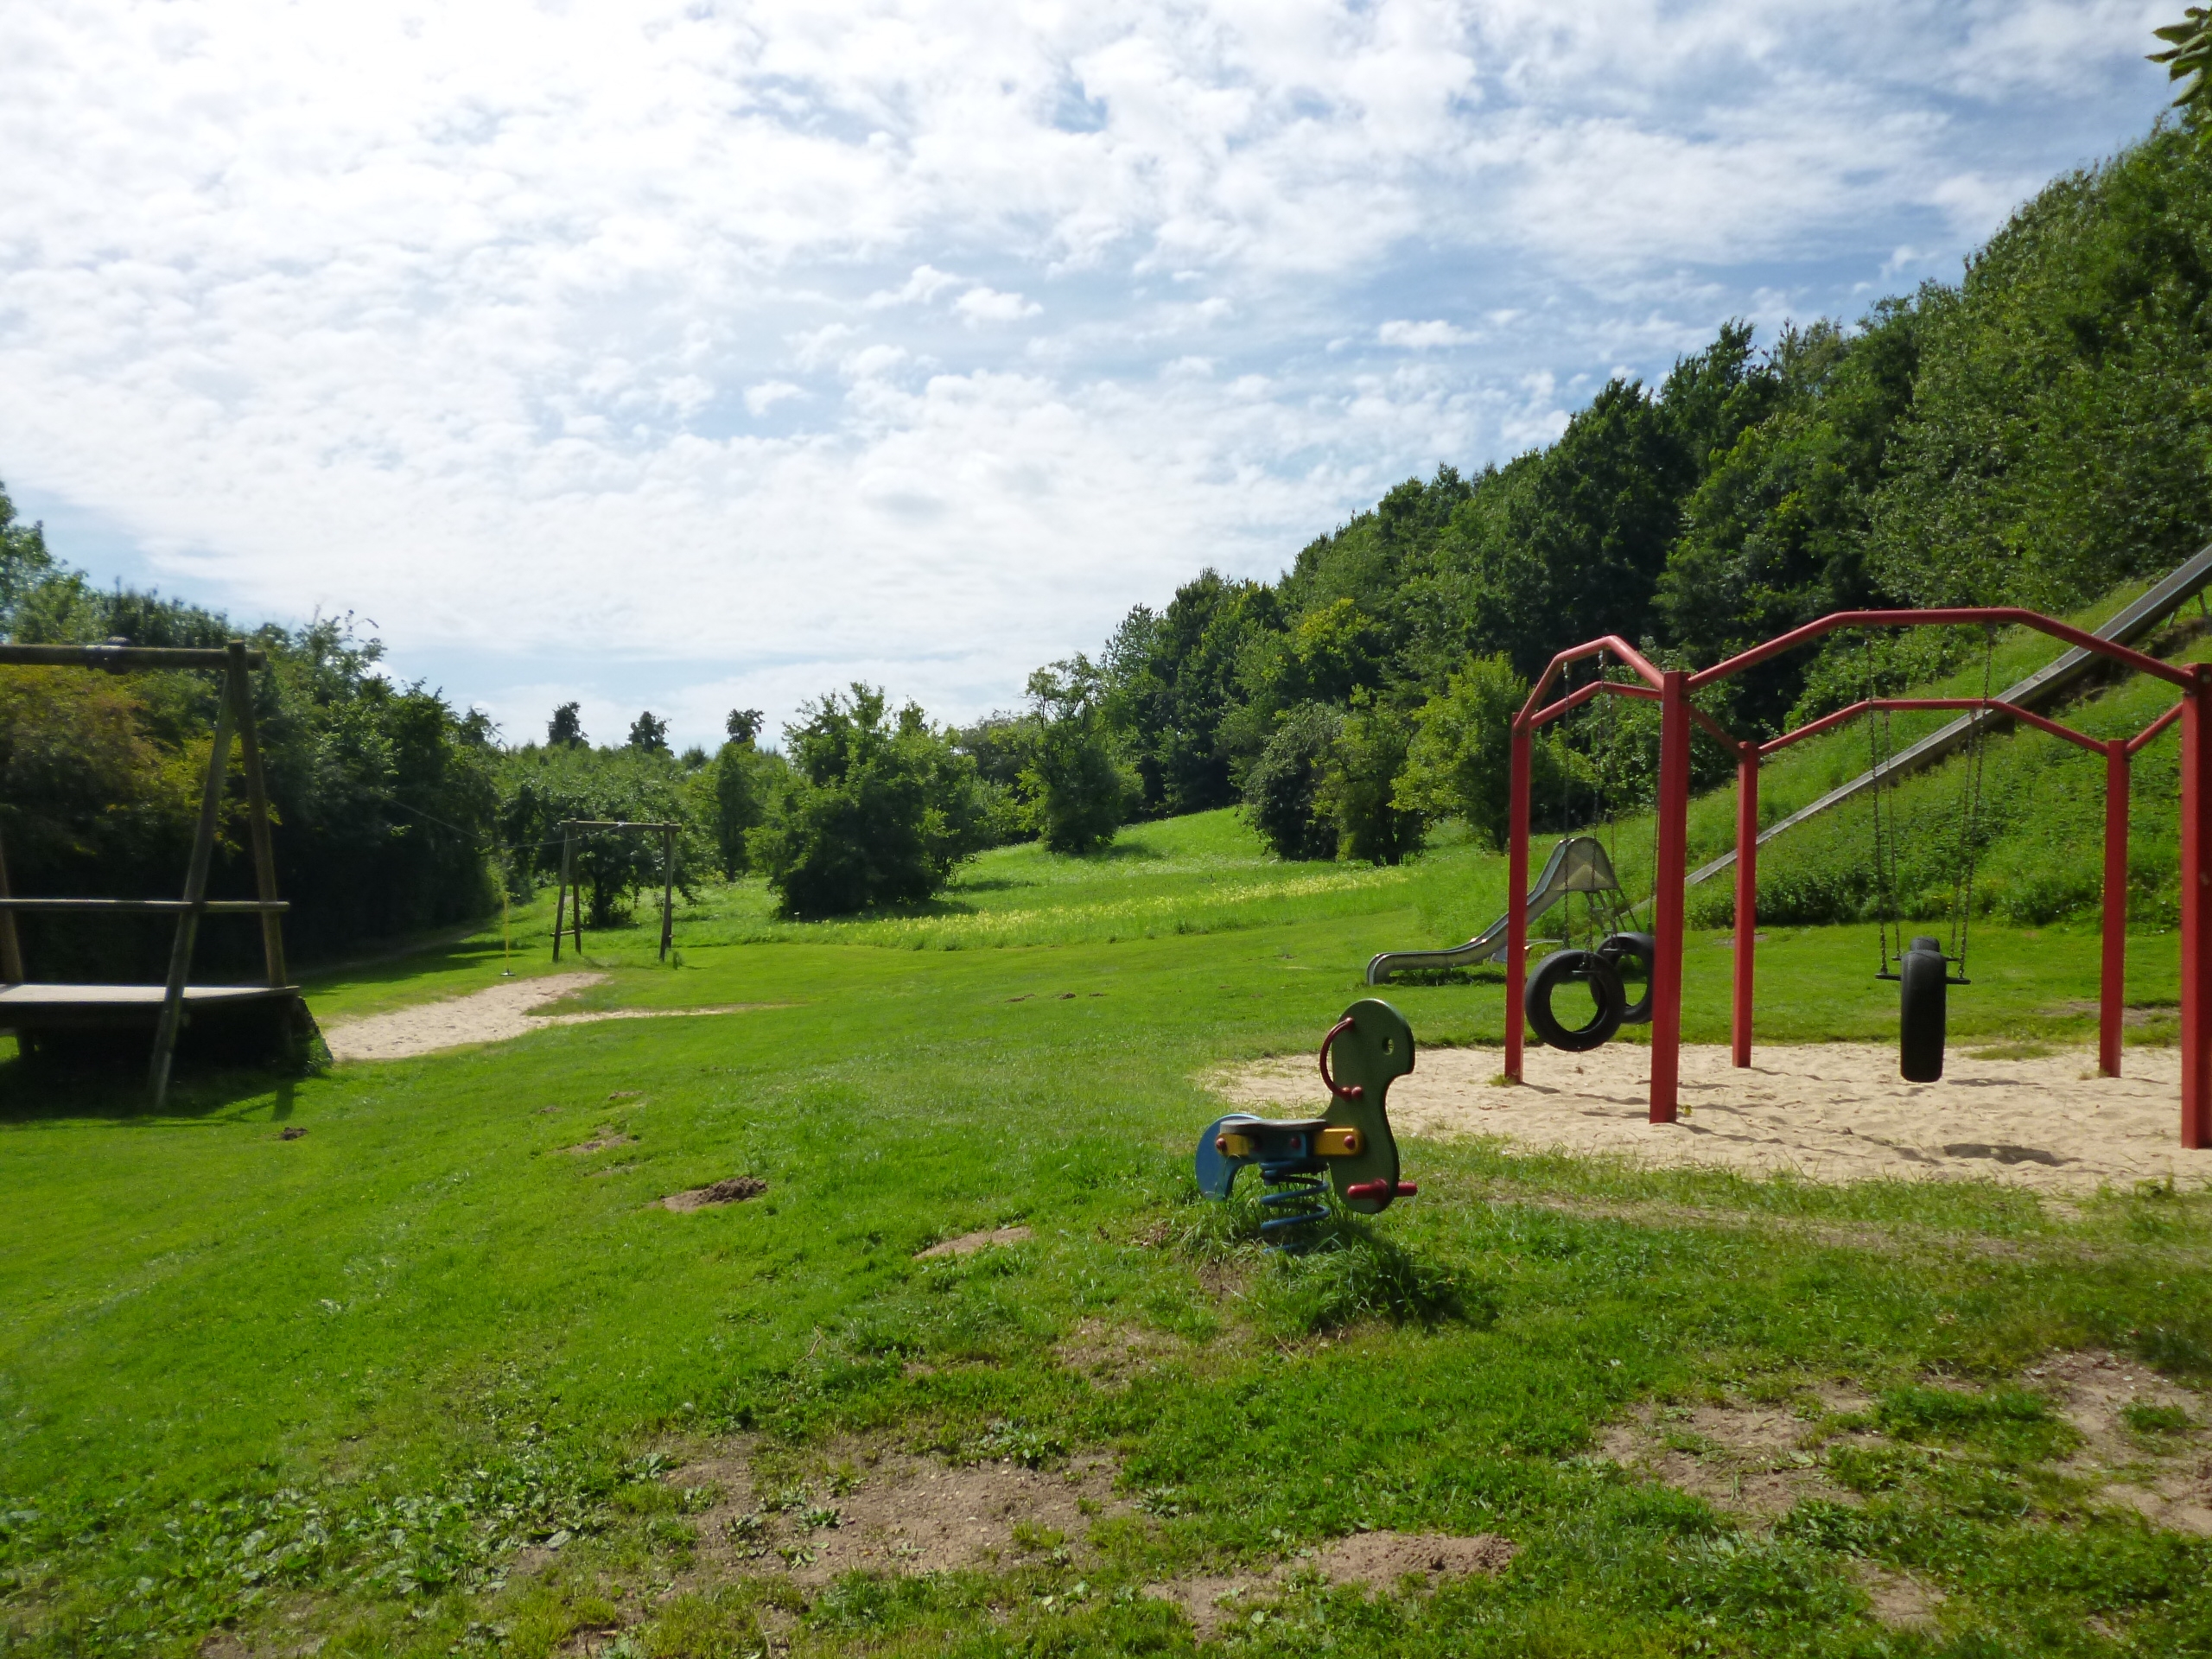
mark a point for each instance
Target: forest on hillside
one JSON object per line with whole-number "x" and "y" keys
{"x": 2033, "y": 433}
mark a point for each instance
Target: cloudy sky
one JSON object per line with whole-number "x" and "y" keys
{"x": 698, "y": 355}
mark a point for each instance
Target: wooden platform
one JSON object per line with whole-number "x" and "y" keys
{"x": 78, "y": 1005}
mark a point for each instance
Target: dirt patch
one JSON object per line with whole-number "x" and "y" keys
{"x": 1898, "y": 1600}
{"x": 1752, "y": 1460}
{"x": 735, "y": 1190}
{"x": 900, "y": 1515}
{"x": 1376, "y": 1561}
{"x": 1114, "y": 1355}
{"x": 969, "y": 1243}
{"x": 2163, "y": 1474}
{"x": 601, "y": 1142}
{"x": 1831, "y": 1112}
{"x": 493, "y": 1015}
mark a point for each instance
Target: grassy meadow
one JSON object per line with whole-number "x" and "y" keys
{"x": 376, "y": 1362}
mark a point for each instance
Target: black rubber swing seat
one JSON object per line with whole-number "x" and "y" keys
{"x": 1588, "y": 967}
{"x": 1645, "y": 950}
{"x": 1923, "y": 985}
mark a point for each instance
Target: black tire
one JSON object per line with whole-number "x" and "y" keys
{"x": 1923, "y": 984}
{"x": 1645, "y": 950}
{"x": 1585, "y": 967}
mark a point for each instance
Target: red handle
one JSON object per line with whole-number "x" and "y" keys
{"x": 1382, "y": 1190}
{"x": 1353, "y": 1093}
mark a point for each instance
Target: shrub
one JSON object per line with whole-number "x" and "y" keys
{"x": 872, "y": 812}
{"x": 1279, "y": 786}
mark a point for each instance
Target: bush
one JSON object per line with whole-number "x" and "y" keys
{"x": 872, "y": 813}
{"x": 1279, "y": 786}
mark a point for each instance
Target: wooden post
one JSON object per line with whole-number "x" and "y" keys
{"x": 667, "y": 889}
{"x": 560, "y": 903}
{"x": 11, "y": 947}
{"x": 256, "y": 796}
{"x": 576, "y": 906}
{"x": 2111, "y": 983}
{"x": 195, "y": 896}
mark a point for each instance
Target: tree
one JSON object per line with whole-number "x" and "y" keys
{"x": 1357, "y": 787}
{"x": 744, "y": 726}
{"x": 1079, "y": 792}
{"x": 649, "y": 734}
{"x": 24, "y": 560}
{"x": 1278, "y": 786}
{"x": 566, "y": 729}
{"x": 746, "y": 782}
{"x": 1459, "y": 763}
{"x": 875, "y": 811}
{"x": 2190, "y": 54}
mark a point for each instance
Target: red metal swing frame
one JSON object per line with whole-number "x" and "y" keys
{"x": 1672, "y": 691}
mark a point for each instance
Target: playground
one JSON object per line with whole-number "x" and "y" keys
{"x": 851, "y": 1286}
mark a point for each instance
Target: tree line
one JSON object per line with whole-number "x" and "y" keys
{"x": 2031, "y": 434}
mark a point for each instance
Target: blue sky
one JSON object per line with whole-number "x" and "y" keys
{"x": 698, "y": 356}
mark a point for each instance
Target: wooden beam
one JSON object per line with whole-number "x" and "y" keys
{"x": 123, "y": 657}
{"x": 150, "y": 906}
{"x": 11, "y": 947}
{"x": 195, "y": 893}
{"x": 257, "y": 797}
{"x": 667, "y": 889}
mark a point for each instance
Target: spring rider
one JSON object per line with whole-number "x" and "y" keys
{"x": 1350, "y": 1142}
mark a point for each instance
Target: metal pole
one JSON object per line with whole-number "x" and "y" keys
{"x": 667, "y": 891}
{"x": 195, "y": 894}
{"x": 1667, "y": 893}
{"x": 1747, "y": 899}
{"x": 2195, "y": 914}
{"x": 1517, "y": 899}
{"x": 2111, "y": 983}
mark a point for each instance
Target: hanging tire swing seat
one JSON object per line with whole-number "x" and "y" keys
{"x": 1588, "y": 967}
{"x": 1643, "y": 951}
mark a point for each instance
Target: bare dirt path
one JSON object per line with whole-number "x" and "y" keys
{"x": 491, "y": 1015}
{"x": 1829, "y": 1111}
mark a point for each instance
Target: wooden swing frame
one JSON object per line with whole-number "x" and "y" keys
{"x": 28, "y": 1006}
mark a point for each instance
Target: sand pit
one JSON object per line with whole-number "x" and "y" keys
{"x": 491, "y": 1015}
{"x": 1830, "y": 1112}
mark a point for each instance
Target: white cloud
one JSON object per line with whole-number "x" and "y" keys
{"x": 925, "y": 283}
{"x": 1419, "y": 336}
{"x": 760, "y": 399}
{"x": 420, "y": 313}
{"x": 987, "y": 305}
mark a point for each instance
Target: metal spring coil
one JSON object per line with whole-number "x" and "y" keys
{"x": 1298, "y": 1181}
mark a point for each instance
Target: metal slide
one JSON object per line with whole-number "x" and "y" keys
{"x": 1577, "y": 864}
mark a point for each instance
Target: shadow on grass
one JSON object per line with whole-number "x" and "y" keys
{"x": 1340, "y": 1271}
{"x": 36, "y": 1091}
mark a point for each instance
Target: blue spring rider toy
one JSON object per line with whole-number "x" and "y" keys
{"x": 1351, "y": 1142}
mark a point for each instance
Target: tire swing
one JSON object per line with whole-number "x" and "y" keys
{"x": 1924, "y": 971}
{"x": 1588, "y": 967}
{"x": 1597, "y": 968}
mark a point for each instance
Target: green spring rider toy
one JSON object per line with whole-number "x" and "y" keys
{"x": 1349, "y": 1143}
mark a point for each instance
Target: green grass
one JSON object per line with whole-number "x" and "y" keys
{"x": 321, "y": 1389}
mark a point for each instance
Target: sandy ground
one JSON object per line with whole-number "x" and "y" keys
{"x": 1831, "y": 1111}
{"x": 491, "y": 1015}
